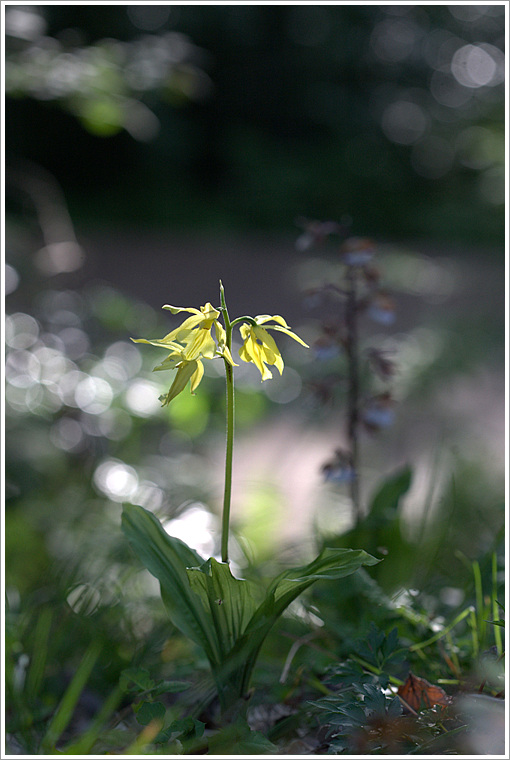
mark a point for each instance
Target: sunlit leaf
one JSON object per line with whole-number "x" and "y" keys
{"x": 230, "y": 601}
{"x": 218, "y": 611}
{"x": 167, "y": 558}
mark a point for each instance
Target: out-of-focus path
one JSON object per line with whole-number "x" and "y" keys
{"x": 460, "y": 415}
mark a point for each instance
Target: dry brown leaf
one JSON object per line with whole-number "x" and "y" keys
{"x": 418, "y": 693}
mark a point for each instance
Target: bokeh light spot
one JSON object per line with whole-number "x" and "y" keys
{"x": 473, "y": 66}
{"x": 67, "y": 434}
{"x": 393, "y": 40}
{"x": 284, "y": 388}
{"x": 148, "y": 17}
{"x": 93, "y": 395}
{"x": 195, "y": 527}
{"x": 11, "y": 278}
{"x": 142, "y": 398}
{"x": 447, "y": 90}
{"x": 116, "y": 480}
{"x": 21, "y": 330}
{"x": 404, "y": 122}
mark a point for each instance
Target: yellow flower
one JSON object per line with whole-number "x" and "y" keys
{"x": 259, "y": 346}
{"x": 195, "y": 331}
{"x": 188, "y": 344}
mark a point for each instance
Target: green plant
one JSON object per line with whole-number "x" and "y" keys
{"x": 365, "y": 713}
{"x": 228, "y": 617}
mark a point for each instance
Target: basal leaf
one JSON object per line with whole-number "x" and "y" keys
{"x": 167, "y": 558}
{"x": 330, "y": 564}
{"x": 229, "y": 601}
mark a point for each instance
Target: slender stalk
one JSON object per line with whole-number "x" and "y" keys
{"x": 229, "y": 372}
{"x": 351, "y": 321}
{"x": 229, "y": 376}
{"x": 495, "y": 609}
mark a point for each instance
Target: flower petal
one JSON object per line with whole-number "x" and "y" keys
{"x": 225, "y": 353}
{"x": 178, "y": 309}
{"x": 171, "y": 361}
{"x": 197, "y": 376}
{"x": 260, "y": 348}
{"x": 209, "y": 312}
{"x": 163, "y": 343}
{"x": 263, "y": 318}
{"x": 250, "y": 353}
{"x": 184, "y": 372}
{"x": 266, "y": 343}
{"x": 183, "y": 331}
{"x": 289, "y": 333}
{"x": 199, "y": 343}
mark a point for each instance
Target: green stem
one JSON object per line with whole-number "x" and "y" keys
{"x": 443, "y": 632}
{"x": 495, "y": 610}
{"x": 229, "y": 376}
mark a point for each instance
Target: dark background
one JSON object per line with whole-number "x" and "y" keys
{"x": 272, "y": 112}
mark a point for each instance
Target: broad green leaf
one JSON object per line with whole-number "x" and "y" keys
{"x": 331, "y": 564}
{"x": 149, "y": 711}
{"x": 136, "y": 679}
{"x": 238, "y": 739}
{"x": 167, "y": 558}
{"x": 230, "y": 601}
{"x": 187, "y": 727}
{"x": 218, "y": 611}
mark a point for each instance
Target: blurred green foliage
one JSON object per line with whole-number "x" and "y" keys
{"x": 243, "y": 117}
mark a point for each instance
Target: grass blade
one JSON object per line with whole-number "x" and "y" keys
{"x": 65, "y": 710}
{"x": 92, "y": 734}
{"x": 40, "y": 650}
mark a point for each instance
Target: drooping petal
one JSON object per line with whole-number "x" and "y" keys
{"x": 202, "y": 319}
{"x": 197, "y": 376}
{"x": 263, "y": 318}
{"x": 207, "y": 311}
{"x": 163, "y": 343}
{"x": 250, "y": 352}
{"x": 171, "y": 362}
{"x": 260, "y": 349}
{"x": 249, "y": 356}
{"x": 269, "y": 351}
{"x": 288, "y": 332}
{"x": 221, "y": 335}
{"x": 199, "y": 343}
{"x": 178, "y": 309}
{"x": 185, "y": 371}
{"x": 183, "y": 331}
{"x": 225, "y": 353}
